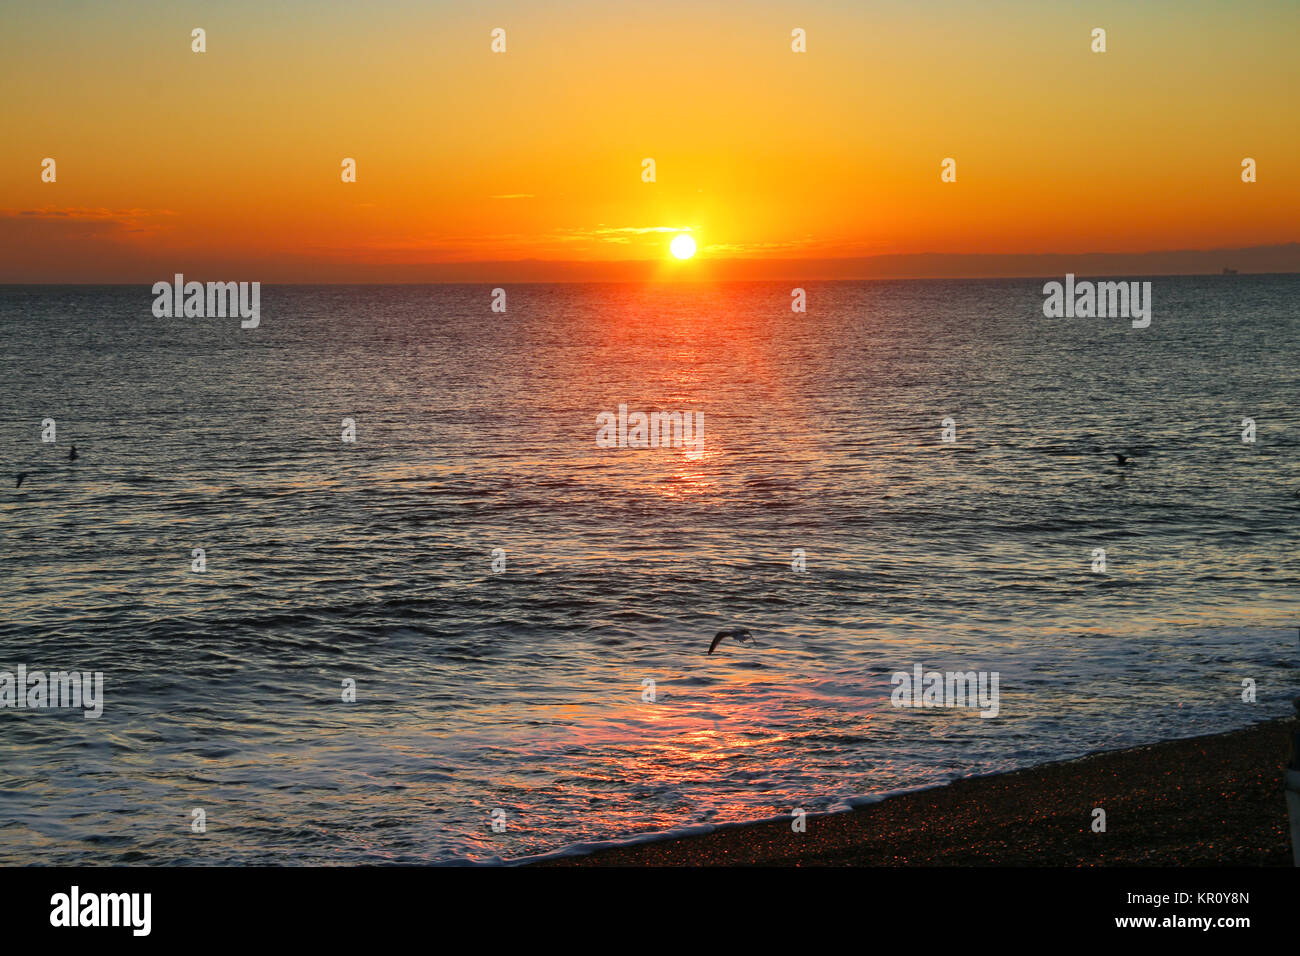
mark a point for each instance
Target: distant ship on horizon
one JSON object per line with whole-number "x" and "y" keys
{"x": 1229, "y": 272}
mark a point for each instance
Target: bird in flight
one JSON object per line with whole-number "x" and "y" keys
{"x": 741, "y": 634}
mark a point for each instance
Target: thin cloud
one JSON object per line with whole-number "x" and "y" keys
{"x": 86, "y": 214}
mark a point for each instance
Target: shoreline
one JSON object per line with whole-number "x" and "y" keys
{"x": 1212, "y": 800}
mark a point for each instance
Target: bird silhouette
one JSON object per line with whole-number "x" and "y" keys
{"x": 741, "y": 634}
{"x": 72, "y": 455}
{"x": 1121, "y": 459}
{"x": 19, "y": 482}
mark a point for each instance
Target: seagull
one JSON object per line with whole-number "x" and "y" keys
{"x": 1121, "y": 459}
{"x": 741, "y": 634}
{"x": 19, "y": 482}
{"x": 72, "y": 455}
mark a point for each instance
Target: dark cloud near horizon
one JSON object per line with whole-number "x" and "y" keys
{"x": 105, "y": 246}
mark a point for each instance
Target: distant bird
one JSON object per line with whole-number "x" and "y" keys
{"x": 741, "y": 634}
{"x": 21, "y": 476}
{"x": 72, "y": 455}
{"x": 1121, "y": 460}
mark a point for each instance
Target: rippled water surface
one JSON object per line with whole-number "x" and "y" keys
{"x": 523, "y": 690}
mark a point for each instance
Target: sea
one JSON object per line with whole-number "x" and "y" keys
{"x": 364, "y": 587}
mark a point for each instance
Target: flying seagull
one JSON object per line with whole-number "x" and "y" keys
{"x": 1121, "y": 459}
{"x": 72, "y": 455}
{"x": 19, "y": 482}
{"x": 741, "y": 634}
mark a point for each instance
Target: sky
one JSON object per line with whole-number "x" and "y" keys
{"x": 528, "y": 164}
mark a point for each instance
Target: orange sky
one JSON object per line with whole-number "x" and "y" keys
{"x": 169, "y": 160}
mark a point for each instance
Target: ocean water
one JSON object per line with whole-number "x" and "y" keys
{"x": 521, "y": 691}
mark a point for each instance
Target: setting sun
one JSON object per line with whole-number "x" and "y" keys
{"x": 683, "y": 246}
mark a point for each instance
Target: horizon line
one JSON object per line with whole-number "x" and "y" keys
{"x": 686, "y": 281}
{"x": 1272, "y": 259}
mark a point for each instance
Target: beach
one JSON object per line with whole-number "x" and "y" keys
{"x": 1214, "y": 800}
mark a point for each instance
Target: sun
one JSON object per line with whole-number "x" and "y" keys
{"x": 683, "y": 246}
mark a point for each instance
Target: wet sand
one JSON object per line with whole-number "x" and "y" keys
{"x": 1205, "y": 801}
